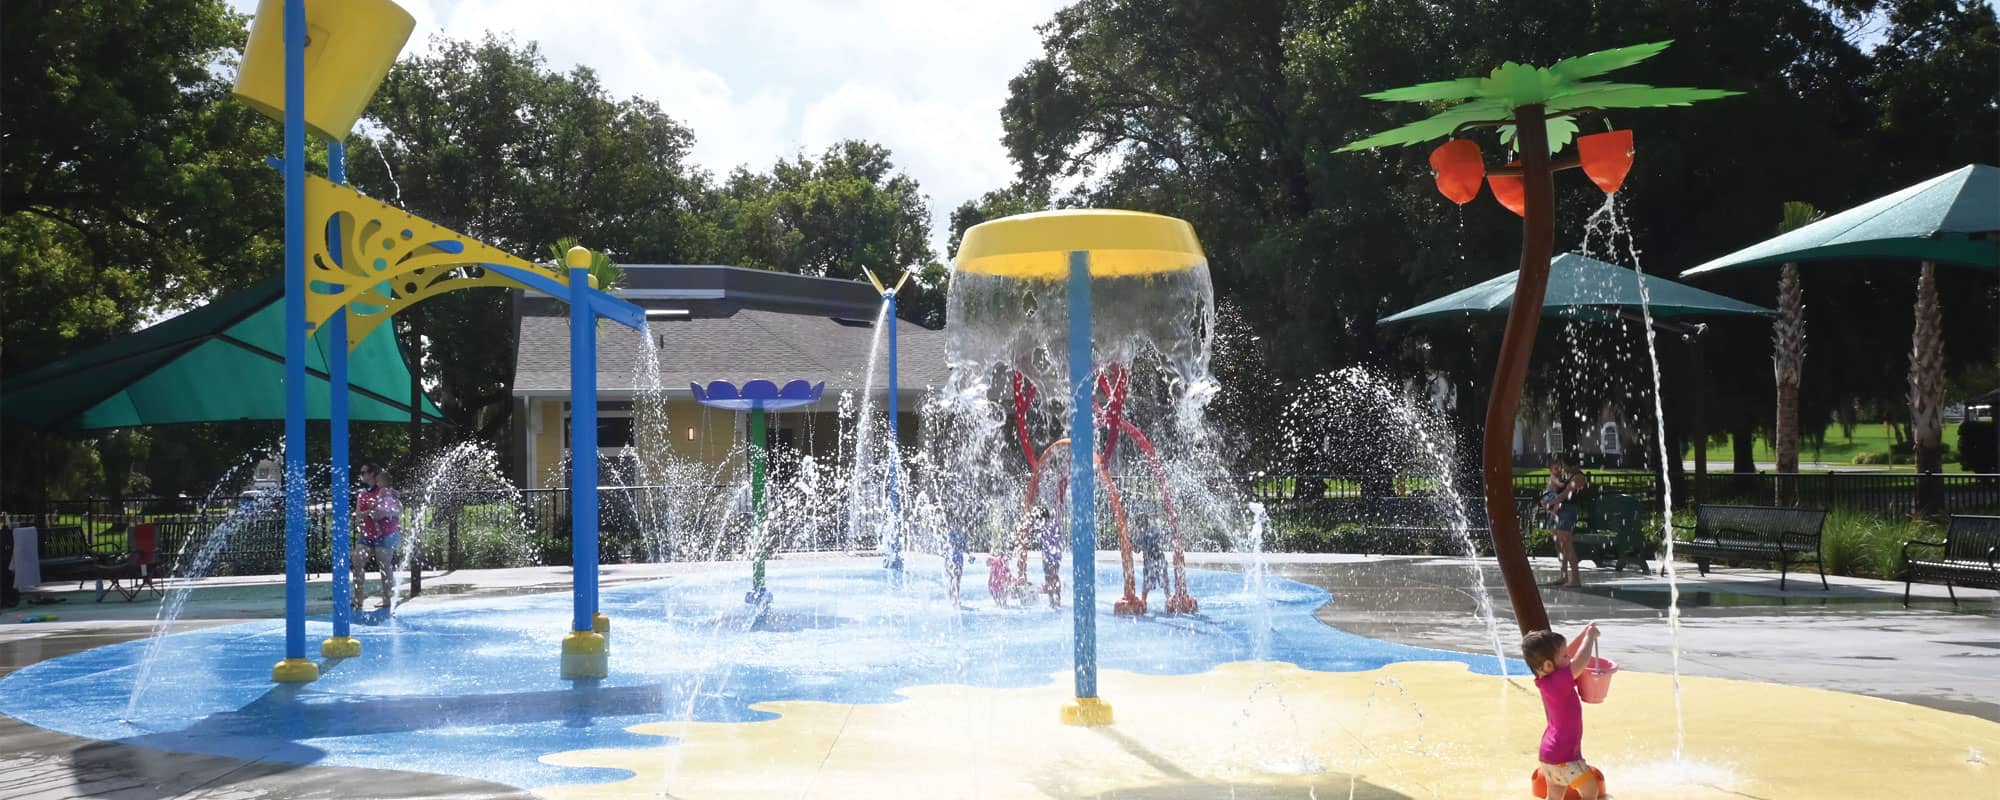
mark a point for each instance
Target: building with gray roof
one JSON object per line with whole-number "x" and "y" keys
{"x": 712, "y": 323}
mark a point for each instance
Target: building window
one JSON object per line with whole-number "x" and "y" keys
{"x": 611, "y": 432}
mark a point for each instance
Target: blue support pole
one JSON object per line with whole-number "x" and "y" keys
{"x": 583, "y": 447}
{"x": 295, "y": 668}
{"x": 894, "y": 560}
{"x": 1083, "y": 501}
{"x": 341, "y": 645}
{"x": 584, "y": 651}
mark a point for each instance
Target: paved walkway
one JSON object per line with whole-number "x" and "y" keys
{"x": 1854, "y": 638}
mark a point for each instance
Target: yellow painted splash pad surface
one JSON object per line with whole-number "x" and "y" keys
{"x": 1254, "y": 730}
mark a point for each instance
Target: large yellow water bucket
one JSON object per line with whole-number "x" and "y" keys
{"x": 1121, "y": 244}
{"x": 349, "y": 47}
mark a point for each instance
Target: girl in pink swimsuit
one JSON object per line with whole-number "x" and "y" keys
{"x": 1556, "y": 669}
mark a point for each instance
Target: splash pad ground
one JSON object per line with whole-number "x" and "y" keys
{"x": 847, "y": 689}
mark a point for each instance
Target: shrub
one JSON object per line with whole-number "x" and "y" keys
{"x": 1870, "y": 458}
{"x": 1976, "y": 448}
{"x": 1867, "y": 546}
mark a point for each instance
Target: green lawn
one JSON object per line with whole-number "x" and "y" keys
{"x": 1868, "y": 438}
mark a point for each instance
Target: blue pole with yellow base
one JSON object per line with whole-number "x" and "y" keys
{"x": 1081, "y": 245}
{"x": 340, "y": 644}
{"x": 295, "y": 668}
{"x": 586, "y": 652}
{"x": 1089, "y": 709}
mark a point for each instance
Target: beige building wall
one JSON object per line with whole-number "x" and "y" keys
{"x": 697, "y": 434}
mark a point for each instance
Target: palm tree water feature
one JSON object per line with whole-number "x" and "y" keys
{"x": 1535, "y": 110}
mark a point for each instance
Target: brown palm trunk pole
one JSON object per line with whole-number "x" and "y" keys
{"x": 1538, "y": 239}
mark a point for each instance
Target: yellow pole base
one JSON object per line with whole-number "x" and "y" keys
{"x": 295, "y": 670}
{"x": 340, "y": 647}
{"x": 1088, "y": 712}
{"x": 585, "y": 655}
{"x": 601, "y": 625}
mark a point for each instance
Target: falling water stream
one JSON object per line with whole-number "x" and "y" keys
{"x": 865, "y": 506}
{"x": 206, "y": 549}
{"x": 1608, "y": 217}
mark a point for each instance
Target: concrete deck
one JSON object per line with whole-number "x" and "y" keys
{"x": 1855, "y": 638}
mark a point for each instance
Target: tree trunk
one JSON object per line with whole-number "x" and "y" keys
{"x": 1743, "y": 440}
{"x": 1788, "y": 357}
{"x": 1927, "y": 394}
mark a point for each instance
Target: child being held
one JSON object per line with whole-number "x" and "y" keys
{"x": 1557, "y": 667}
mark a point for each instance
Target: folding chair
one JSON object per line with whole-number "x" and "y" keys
{"x": 135, "y": 575}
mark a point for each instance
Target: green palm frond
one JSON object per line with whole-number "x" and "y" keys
{"x": 1558, "y": 89}
{"x": 1635, "y": 97}
{"x": 1561, "y": 131}
{"x": 1519, "y": 85}
{"x": 1603, "y": 61}
{"x": 1437, "y": 126}
{"x": 1459, "y": 89}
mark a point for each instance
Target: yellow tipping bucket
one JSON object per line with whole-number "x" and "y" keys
{"x": 349, "y": 47}
{"x": 1121, "y": 244}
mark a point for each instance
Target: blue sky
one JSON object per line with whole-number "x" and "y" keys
{"x": 761, "y": 79}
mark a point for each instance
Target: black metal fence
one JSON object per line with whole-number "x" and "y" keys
{"x": 1308, "y": 513}
{"x": 1882, "y": 494}
{"x": 1378, "y": 514}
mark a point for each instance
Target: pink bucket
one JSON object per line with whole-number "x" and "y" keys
{"x": 1595, "y": 682}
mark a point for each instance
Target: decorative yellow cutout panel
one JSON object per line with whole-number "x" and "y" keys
{"x": 389, "y": 259}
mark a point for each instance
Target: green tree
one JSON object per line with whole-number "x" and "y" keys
{"x": 131, "y": 182}
{"x": 831, "y": 216}
{"x": 1227, "y": 115}
{"x": 1018, "y": 198}
{"x": 132, "y": 185}
{"x": 1936, "y": 62}
{"x": 483, "y": 138}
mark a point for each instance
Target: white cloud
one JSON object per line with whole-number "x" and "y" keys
{"x": 758, "y": 80}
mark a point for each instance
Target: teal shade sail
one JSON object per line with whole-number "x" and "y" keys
{"x": 221, "y": 362}
{"x": 1953, "y": 219}
{"x": 1582, "y": 287}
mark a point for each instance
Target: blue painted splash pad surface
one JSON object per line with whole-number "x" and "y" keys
{"x": 470, "y": 687}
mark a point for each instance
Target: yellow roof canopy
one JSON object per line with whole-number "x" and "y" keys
{"x": 1120, "y": 243}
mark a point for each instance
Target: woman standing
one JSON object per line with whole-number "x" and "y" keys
{"x": 1565, "y": 481}
{"x": 378, "y": 516}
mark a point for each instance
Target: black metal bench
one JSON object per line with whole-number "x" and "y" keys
{"x": 1967, "y": 557}
{"x": 1615, "y": 532}
{"x": 1422, "y": 521}
{"x": 1756, "y": 533}
{"x": 65, "y": 554}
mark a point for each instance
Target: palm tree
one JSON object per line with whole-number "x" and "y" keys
{"x": 1534, "y": 107}
{"x": 1788, "y": 355}
{"x": 609, "y": 275}
{"x": 1927, "y": 393}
